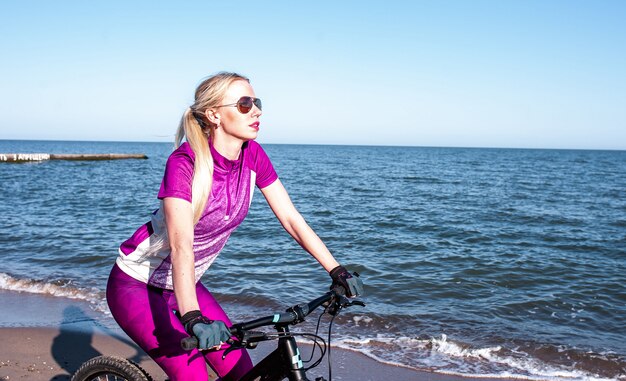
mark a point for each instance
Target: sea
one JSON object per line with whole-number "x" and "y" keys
{"x": 480, "y": 262}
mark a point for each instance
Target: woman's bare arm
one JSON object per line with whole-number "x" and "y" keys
{"x": 179, "y": 221}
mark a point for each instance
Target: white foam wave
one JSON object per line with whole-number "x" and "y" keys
{"x": 364, "y": 319}
{"x": 440, "y": 355}
{"x": 360, "y": 347}
{"x": 455, "y": 350}
{"x": 93, "y": 296}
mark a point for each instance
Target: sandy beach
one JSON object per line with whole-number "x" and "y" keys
{"x": 47, "y": 338}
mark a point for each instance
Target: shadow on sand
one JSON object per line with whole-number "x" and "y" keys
{"x": 74, "y": 344}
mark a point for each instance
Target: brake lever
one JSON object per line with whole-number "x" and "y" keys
{"x": 228, "y": 350}
{"x": 233, "y": 345}
{"x": 356, "y": 303}
{"x": 342, "y": 302}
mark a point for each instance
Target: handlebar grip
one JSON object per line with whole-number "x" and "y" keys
{"x": 189, "y": 343}
{"x": 339, "y": 290}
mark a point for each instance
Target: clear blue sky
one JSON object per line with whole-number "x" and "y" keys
{"x": 546, "y": 74}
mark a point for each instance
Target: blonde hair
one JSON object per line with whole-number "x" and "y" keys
{"x": 196, "y": 129}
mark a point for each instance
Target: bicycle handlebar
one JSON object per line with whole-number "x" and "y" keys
{"x": 293, "y": 315}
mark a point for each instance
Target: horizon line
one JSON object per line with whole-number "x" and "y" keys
{"x": 334, "y": 144}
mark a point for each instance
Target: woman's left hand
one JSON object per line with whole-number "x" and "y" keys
{"x": 351, "y": 283}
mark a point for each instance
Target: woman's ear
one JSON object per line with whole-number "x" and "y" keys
{"x": 212, "y": 116}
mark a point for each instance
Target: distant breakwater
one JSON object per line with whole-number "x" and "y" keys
{"x": 28, "y": 157}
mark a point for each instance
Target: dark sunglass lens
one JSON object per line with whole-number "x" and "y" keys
{"x": 244, "y": 105}
{"x": 257, "y": 103}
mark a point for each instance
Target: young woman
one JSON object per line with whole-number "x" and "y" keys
{"x": 154, "y": 290}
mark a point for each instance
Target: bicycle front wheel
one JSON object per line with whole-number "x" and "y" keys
{"x": 109, "y": 368}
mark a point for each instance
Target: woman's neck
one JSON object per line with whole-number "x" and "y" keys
{"x": 229, "y": 148}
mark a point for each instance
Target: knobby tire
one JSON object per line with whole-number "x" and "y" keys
{"x": 110, "y": 368}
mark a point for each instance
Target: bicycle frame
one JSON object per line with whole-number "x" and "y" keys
{"x": 283, "y": 362}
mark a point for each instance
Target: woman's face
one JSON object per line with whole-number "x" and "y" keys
{"x": 232, "y": 122}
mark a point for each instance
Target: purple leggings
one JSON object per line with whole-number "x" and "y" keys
{"x": 146, "y": 314}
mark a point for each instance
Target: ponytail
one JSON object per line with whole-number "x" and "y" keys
{"x": 198, "y": 138}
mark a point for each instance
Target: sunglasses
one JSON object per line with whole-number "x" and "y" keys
{"x": 244, "y": 104}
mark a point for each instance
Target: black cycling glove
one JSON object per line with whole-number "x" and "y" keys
{"x": 210, "y": 333}
{"x": 350, "y": 282}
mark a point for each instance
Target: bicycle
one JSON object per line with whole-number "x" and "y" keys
{"x": 284, "y": 362}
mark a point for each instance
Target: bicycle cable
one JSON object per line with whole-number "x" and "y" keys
{"x": 317, "y": 329}
{"x": 322, "y": 349}
{"x": 330, "y": 327}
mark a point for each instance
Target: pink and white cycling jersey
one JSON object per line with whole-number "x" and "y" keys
{"x": 231, "y": 195}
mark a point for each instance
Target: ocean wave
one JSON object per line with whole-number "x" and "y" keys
{"x": 64, "y": 289}
{"x": 442, "y": 355}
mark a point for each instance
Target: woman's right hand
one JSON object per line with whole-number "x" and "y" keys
{"x": 211, "y": 334}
